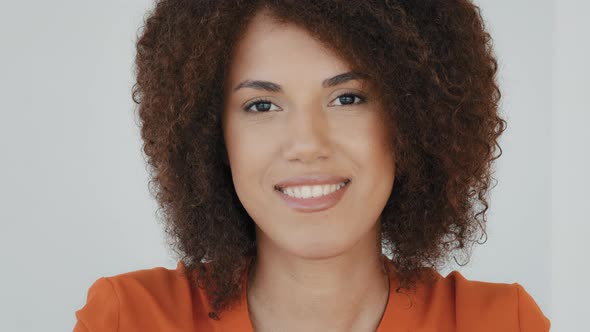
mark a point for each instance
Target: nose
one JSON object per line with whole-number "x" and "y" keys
{"x": 306, "y": 136}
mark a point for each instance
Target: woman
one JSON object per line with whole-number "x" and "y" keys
{"x": 292, "y": 143}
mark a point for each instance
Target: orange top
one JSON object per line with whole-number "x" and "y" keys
{"x": 160, "y": 299}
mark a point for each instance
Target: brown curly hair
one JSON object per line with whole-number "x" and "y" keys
{"x": 431, "y": 59}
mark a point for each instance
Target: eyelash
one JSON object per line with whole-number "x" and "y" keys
{"x": 361, "y": 98}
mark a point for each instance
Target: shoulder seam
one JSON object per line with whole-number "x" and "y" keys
{"x": 118, "y": 301}
{"x": 516, "y": 285}
{"x": 81, "y": 321}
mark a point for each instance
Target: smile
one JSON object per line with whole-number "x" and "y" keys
{"x": 313, "y": 198}
{"x": 312, "y": 191}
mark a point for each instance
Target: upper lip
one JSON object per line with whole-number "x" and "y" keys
{"x": 311, "y": 179}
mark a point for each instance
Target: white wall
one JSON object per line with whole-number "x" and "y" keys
{"x": 74, "y": 199}
{"x": 73, "y": 194}
{"x": 570, "y": 290}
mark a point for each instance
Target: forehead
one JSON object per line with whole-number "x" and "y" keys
{"x": 269, "y": 49}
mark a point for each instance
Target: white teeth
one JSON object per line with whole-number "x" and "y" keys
{"x": 317, "y": 191}
{"x": 312, "y": 191}
{"x": 306, "y": 191}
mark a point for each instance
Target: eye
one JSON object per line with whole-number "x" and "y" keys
{"x": 264, "y": 105}
{"x": 260, "y": 106}
{"x": 350, "y": 99}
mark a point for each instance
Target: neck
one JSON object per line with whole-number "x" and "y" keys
{"x": 348, "y": 291}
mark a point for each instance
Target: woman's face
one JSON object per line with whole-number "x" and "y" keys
{"x": 298, "y": 123}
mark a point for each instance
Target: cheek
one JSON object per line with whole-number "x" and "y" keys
{"x": 369, "y": 148}
{"x": 248, "y": 155}
{"x": 366, "y": 141}
{"x": 383, "y": 147}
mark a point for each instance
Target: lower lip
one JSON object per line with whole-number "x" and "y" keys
{"x": 314, "y": 204}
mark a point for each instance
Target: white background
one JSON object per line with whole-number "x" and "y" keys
{"x": 74, "y": 201}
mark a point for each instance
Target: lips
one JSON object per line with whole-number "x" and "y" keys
{"x": 314, "y": 204}
{"x": 310, "y": 180}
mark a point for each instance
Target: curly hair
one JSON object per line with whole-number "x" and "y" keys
{"x": 432, "y": 60}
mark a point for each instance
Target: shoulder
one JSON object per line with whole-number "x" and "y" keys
{"x": 506, "y": 307}
{"x": 155, "y": 299}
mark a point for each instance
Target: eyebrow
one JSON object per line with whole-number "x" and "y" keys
{"x": 274, "y": 87}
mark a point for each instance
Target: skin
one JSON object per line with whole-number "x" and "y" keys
{"x": 318, "y": 271}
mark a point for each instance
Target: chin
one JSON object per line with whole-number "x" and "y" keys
{"x": 318, "y": 249}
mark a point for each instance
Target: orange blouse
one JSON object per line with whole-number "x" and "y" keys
{"x": 160, "y": 299}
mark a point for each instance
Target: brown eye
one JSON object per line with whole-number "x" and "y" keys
{"x": 260, "y": 106}
{"x": 350, "y": 99}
